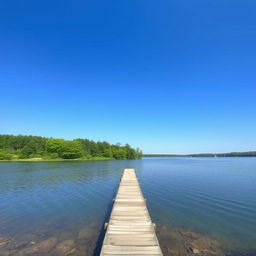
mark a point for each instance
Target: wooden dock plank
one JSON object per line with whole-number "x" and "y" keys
{"x": 130, "y": 230}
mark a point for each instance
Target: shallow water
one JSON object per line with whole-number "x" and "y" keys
{"x": 215, "y": 198}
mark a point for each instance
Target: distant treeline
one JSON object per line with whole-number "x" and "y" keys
{"x": 232, "y": 154}
{"x": 23, "y": 147}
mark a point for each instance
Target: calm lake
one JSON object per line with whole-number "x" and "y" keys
{"x": 59, "y": 208}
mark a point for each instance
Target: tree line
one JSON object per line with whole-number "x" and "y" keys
{"x": 23, "y": 147}
{"x": 231, "y": 154}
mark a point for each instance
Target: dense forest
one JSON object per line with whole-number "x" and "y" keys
{"x": 26, "y": 147}
{"x": 231, "y": 154}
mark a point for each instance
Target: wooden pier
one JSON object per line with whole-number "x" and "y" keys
{"x": 130, "y": 230}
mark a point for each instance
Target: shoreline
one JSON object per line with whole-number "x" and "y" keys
{"x": 59, "y": 160}
{"x": 230, "y": 154}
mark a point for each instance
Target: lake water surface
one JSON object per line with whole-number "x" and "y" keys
{"x": 59, "y": 208}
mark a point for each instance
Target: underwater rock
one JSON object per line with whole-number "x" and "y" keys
{"x": 40, "y": 248}
{"x": 3, "y": 241}
{"x": 7, "y": 244}
{"x": 65, "y": 235}
{"x": 85, "y": 233}
{"x": 5, "y": 253}
{"x": 203, "y": 246}
{"x": 65, "y": 248}
{"x": 189, "y": 234}
{"x": 195, "y": 251}
{"x": 86, "y": 240}
{"x": 180, "y": 242}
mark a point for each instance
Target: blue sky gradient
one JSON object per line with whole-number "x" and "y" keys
{"x": 165, "y": 76}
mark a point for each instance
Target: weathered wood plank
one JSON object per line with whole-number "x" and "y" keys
{"x": 130, "y": 230}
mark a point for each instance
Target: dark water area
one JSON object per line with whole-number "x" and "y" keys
{"x": 201, "y": 206}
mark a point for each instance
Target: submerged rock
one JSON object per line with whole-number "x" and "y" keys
{"x": 64, "y": 235}
{"x": 40, "y": 248}
{"x": 189, "y": 234}
{"x": 5, "y": 253}
{"x": 179, "y": 242}
{"x": 86, "y": 233}
{"x": 65, "y": 248}
{"x": 203, "y": 246}
{"x": 7, "y": 244}
{"x": 3, "y": 241}
{"x": 86, "y": 239}
{"x": 3, "y": 246}
{"x": 195, "y": 251}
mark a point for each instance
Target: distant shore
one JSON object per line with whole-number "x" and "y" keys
{"x": 231, "y": 154}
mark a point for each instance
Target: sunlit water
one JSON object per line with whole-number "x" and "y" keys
{"x": 214, "y": 197}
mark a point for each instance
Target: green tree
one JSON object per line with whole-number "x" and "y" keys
{"x": 139, "y": 153}
{"x": 70, "y": 150}
{"x": 28, "y": 150}
{"x": 54, "y": 145}
{"x": 5, "y": 155}
{"x": 119, "y": 153}
{"x": 130, "y": 152}
{"x": 107, "y": 153}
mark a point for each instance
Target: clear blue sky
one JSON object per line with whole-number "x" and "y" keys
{"x": 166, "y": 76}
